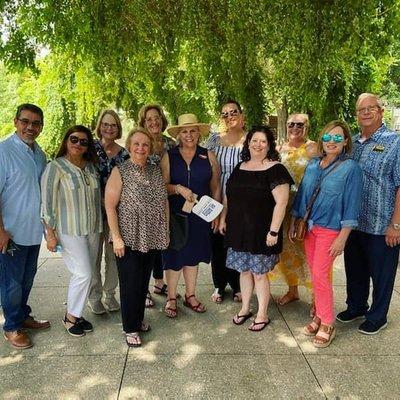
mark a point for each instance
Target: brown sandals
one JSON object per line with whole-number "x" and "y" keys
{"x": 311, "y": 328}
{"x": 198, "y": 308}
{"x": 324, "y": 336}
{"x": 169, "y": 311}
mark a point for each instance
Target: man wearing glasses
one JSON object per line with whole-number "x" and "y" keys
{"x": 21, "y": 165}
{"x": 372, "y": 251}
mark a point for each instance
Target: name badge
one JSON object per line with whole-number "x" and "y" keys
{"x": 379, "y": 148}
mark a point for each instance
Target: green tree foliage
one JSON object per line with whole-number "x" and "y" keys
{"x": 189, "y": 55}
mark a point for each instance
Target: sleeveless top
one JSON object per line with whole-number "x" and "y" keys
{"x": 142, "y": 207}
{"x": 196, "y": 176}
{"x": 295, "y": 160}
{"x": 228, "y": 157}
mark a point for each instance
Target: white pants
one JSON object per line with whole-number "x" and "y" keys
{"x": 110, "y": 270}
{"x": 79, "y": 254}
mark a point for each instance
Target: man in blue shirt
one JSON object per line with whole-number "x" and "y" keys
{"x": 21, "y": 165}
{"x": 372, "y": 251}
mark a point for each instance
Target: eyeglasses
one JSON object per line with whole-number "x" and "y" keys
{"x": 327, "y": 137}
{"x": 75, "y": 140}
{"x": 106, "y": 125}
{"x": 368, "y": 109}
{"x": 27, "y": 122}
{"x": 295, "y": 125}
{"x": 230, "y": 113}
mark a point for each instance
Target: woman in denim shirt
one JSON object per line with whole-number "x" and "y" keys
{"x": 333, "y": 215}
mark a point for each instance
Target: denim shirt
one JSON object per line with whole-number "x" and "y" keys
{"x": 338, "y": 202}
{"x": 379, "y": 158}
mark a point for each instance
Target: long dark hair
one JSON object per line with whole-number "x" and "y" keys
{"x": 272, "y": 153}
{"x": 90, "y": 154}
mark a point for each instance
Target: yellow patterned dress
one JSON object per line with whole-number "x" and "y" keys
{"x": 292, "y": 266}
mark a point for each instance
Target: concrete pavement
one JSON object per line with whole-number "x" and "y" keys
{"x": 199, "y": 356}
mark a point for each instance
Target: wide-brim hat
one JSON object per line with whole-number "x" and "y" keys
{"x": 187, "y": 120}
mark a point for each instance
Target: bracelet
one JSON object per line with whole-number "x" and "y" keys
{"x": 273, "y": 233}
{"x": 176, "y": 188}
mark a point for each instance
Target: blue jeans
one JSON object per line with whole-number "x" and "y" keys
{"x": 368, "y": 257}
{"x": 16, "y": 279}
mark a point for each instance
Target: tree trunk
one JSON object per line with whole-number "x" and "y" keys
{"x": 282, "y": 113}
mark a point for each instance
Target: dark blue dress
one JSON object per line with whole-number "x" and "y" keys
{"x": 196, "y": 177}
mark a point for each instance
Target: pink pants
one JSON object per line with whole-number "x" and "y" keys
{"x": 316, "y": 244}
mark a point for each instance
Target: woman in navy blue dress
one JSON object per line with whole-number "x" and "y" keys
{"x": 189, "y": 170}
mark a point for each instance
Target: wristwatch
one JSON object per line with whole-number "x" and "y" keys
{"x": 396, "y": 226}
{"x": 273, "y": 233}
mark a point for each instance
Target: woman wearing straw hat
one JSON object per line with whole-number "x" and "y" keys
{"x": 189, "y": 170}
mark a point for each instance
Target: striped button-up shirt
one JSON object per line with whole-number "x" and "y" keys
{"x": 71, "y": 198}
{"x": 379, "y": 158}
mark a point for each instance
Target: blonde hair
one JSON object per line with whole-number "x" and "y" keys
{"x": 306, "y": 120}
{"x": 117, "y": 120}
{"x": 138, "y": 129}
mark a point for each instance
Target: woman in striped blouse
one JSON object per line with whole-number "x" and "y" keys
{"x": 71, "y": 213}
{"x": 227, "y": 146}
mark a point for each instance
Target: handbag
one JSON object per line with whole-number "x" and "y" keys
{"x": 178, "y": 231}
{"x": 301, "y": 224}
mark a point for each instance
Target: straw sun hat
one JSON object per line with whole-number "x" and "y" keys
{"x": 187, "y": 120}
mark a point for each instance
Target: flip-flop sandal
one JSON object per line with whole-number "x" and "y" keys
{"x": 217, "y": 297}
{"x": 133, "y": 339}
{"x": 149, "y": 301}
{"x": 263, "y": 324}
{"x": 237, "y": 297}
{"x": 145, "y": 327}
{"x": 241, "y": 319}
{"x": 162, "y": 291}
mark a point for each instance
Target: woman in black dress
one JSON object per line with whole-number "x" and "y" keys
{"x": 257, "y": 193}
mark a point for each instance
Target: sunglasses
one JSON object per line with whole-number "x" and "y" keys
{"x": 327, "y": 137}
{"x": 11, "y": 248}
{"x": 295, "y": 125}
{"x": 75, "y": 140}
{"x": 230, "y": 113}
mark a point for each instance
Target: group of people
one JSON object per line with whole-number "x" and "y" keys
{"x": 134, "y": 204}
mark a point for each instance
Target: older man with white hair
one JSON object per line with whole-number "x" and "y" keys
{"x": 372, "y": 251}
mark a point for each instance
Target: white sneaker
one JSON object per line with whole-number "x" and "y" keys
{"x": 111, "y": 304}
{"x": 97, "y": 308}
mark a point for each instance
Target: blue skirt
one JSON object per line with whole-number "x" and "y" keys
{"x": 258, "y": 264}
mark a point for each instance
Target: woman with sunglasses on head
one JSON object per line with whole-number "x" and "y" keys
{"x": 111, "y": 154}
{"x": 71, "y": 213}
{"x": 227, "y": 146}
{"x": 295, "y": 153}
{"x": 152, "y": 118}
{"x": 334, "y": 182}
